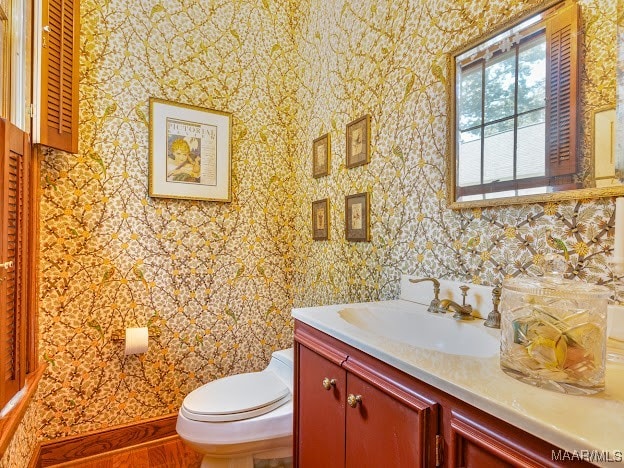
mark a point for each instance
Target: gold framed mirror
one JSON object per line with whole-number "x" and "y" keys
{"x": 527, "y": 104}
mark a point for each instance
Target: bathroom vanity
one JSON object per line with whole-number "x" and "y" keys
{"x": 389, "y": 384}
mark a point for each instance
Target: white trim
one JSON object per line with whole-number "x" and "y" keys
{"x": 13, "y": 402}
{"x": 36, "y": 72}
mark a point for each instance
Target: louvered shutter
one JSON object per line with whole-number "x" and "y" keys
{"x": 562, "y": 38}
{"x": 59, "y": 74}
{"x": 14, "y": 169}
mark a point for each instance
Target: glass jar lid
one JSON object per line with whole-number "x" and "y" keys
{"x": 554, "y": 285}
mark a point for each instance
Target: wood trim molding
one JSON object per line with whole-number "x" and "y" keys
{"x": 34, "y": 459}
{"x": 105, "y": 440}
{"x": 313, "y": 339}
{"x": 32, "y": 342}
{"x": 105, "y": 457}
{"x": 464, "y": 428}
{"x": 10, "y": 423}
{"x": 388, "y": 383}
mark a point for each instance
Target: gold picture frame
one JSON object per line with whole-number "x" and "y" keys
{"x": 320, "y": 220}
{"x": 357, "y": 217}
{"x": 358, "y": 142}
{"x": 321, "y": 156}
{"x": 190, "y": 152}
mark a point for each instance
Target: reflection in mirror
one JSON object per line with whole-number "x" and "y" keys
{"x": 603, "y": 139}
{"x": 530, "y": 114}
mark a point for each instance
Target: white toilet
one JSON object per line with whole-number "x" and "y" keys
{"x": 244, "y": 420}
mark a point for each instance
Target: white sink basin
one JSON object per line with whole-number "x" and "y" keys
{"x": 425, "y": 330}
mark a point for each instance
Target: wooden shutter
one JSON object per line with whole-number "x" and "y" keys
{"x": 14, "y": 170}
{"x": 59, "y": 74}
{"x": 562, "y": 39}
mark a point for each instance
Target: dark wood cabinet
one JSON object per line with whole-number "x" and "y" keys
{"x": 350, "y": 413}
{"x": 352, "y": 410}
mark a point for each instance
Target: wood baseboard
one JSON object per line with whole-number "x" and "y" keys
{"x": 34, "y": 459}
{"x": 93, "y": 443}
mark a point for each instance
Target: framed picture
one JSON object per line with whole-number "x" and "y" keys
{"x": 357, "y": 217}
{"x": 190, "y": 152}
{"x": 320, "y": 219}
{"x": 358, "y": 142}
{"x": 321, "y": 156}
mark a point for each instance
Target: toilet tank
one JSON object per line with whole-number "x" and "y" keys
{"x": 282, "y": 363}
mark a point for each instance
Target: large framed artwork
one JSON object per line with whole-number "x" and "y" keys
{"x": 190, "y": 152}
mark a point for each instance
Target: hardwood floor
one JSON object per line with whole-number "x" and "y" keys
{"x": 169, "y": 452}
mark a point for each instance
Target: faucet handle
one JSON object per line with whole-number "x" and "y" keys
{"x": 464, "y": 290}
{"x": 494, "y": 317}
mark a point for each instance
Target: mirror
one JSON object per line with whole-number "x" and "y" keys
{"x": 533, "y": 109}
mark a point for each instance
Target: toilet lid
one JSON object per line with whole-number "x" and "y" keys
{"x": 237, "y": 397}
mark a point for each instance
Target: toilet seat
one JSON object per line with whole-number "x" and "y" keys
{"x": 236, "y": 397}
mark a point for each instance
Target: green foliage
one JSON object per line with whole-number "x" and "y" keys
{"x": 500, "y": 87}
{"x": 96, "y": 326}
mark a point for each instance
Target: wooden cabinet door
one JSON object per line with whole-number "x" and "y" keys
{"x": 388, "y": 427}
{"x": 321, "y": 417}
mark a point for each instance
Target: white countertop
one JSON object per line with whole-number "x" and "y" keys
{"x": 571, "y": 422}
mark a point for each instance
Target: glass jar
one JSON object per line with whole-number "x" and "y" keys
{"x": 553, "y": 333}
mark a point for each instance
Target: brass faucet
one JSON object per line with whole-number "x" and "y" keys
{"x": 434, "y": 307}
{"x": 437, "y": 306}
{"x": 462, "y": 312}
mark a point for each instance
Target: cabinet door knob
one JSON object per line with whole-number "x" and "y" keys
{"x": 328, "y": 383}
{"x": 353, "y": 400}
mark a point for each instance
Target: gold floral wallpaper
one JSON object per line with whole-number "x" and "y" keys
{"x": 214, "y": 278}
{"x": 219, "y": 280}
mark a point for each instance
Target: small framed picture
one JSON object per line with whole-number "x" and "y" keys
{"x": 320, "y": 219}
{"x": 321, "y": 156}
{"x": 358, "y": 142}
{"x": 357, "y": 217}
